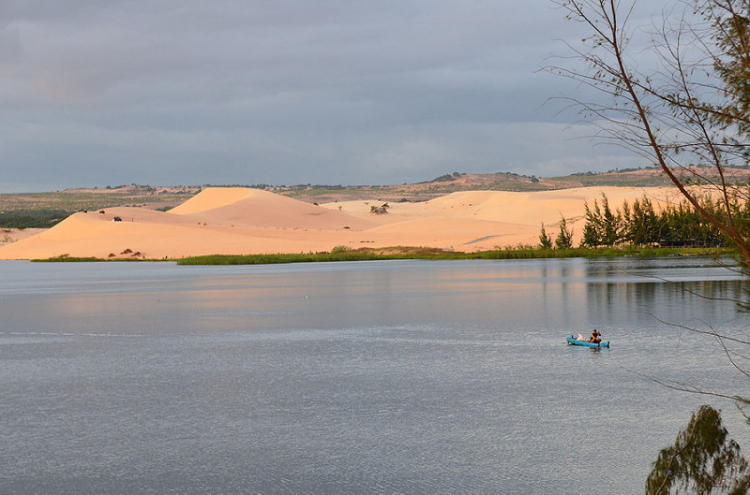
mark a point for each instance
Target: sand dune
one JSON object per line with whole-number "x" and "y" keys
{"x": 245, "y": 221}
{"x": 212, "y": 198}
{"x": 253, "y": 208}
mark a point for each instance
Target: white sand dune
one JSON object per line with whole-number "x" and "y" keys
{"x": 247, "y": 221}
{"x": 212, "y": 198}
{"x": 253, "y": 208}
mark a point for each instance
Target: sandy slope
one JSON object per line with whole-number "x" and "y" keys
{"x": 241, "y": 221}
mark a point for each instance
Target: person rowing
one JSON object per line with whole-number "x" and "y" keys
{"x": 595, "y": 337}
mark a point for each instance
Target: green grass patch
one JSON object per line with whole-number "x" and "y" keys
{"x": 343, "y": 253}
{"x": 401, "y": 253}
{"x": 64, "y": 258}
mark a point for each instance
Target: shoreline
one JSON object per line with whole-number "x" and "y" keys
{"x": 412, "y": 253}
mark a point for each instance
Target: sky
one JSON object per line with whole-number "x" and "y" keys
{"x": 284, "y": 92}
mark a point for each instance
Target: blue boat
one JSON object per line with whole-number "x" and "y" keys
{"x": 574, "y": 341}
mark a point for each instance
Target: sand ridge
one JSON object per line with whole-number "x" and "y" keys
{"x": 212, "y": 198}
{"x": 248, "y": 221}
{"x": 266, "y": 210}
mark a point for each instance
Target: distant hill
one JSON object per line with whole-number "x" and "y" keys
{"x": 500, "y": 181}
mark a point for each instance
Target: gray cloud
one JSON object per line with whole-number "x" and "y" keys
{"x": 280, "y": 91}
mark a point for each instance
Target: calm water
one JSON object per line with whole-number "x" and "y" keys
{"x": 383, "y": 377}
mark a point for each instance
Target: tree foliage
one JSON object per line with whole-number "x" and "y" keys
{"x": 545, "y": 241}
{"x": 564, "y": 239}
{"x": 32, "y": 219}
{"x": 641, "y": 224}
{"x": 702, "y": 461}
{"x": 603, "y": 227}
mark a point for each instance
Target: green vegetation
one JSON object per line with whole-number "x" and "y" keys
{"x": 564, "y": 239}
{"x": 703, "y": 458}
{"x": 446, "y": 178}
{"x": 44, "y": 210}
{"x": 345, "y": 253}
{"x": 341, "y": 253}
{"x": 675, "y": 225}
{"x": 620, "y": 178}
{"x": 64, "y": 258}
{"x": 40, "y": 218}
{"x": 545, "y": 241}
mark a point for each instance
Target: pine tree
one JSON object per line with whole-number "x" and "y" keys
{"x": 591, "y": 231}
{"x": 545, "y": 241}
{"x": 564, "y": 238}
{"x": 610, "y": 224}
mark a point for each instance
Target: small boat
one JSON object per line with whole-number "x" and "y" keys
{"x": 574, "y": 341}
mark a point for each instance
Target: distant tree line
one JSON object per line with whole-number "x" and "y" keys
{"x": 642, "y": 224}
{"x": 37, "y": 219}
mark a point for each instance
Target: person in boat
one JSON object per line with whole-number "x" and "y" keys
{"x": 595, "y": 337}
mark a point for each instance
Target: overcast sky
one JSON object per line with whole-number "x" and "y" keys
{"x": 353, "y": 92}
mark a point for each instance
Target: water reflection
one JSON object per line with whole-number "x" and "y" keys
{"x": 395, "y": 377}
{"x": 528, "y": 296}
{"x": 636, "y": 292}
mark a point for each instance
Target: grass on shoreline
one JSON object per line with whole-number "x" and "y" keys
{"x": 64, "y": 258}
{"x": 400, "y": 253}
{"x": 408, "y": 253}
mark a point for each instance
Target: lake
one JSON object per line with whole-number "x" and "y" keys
{"x": 395, "y": 377}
